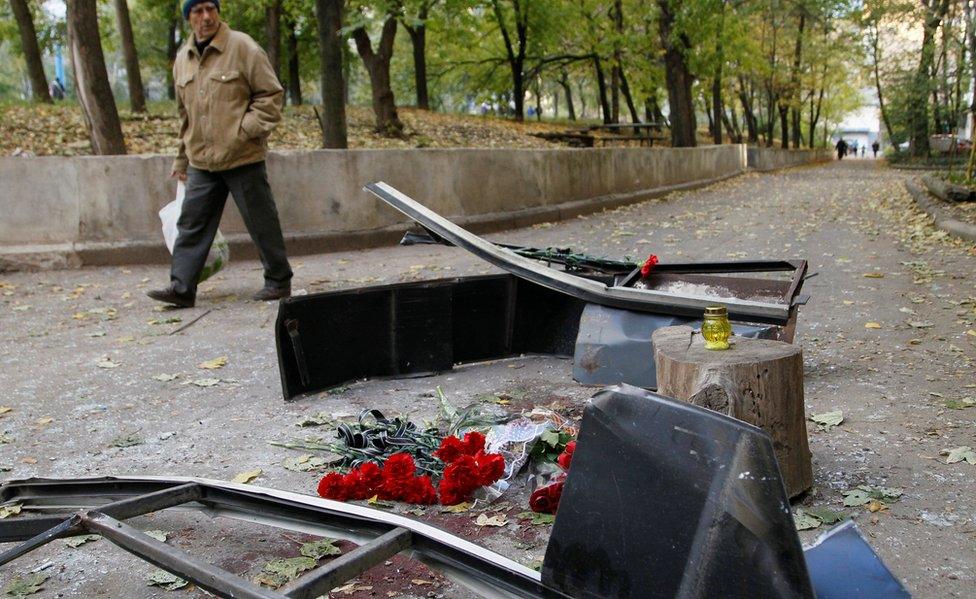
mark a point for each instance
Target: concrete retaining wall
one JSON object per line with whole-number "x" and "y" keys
{"x": 768, "y": 159}
{"x": 66, "y": 211}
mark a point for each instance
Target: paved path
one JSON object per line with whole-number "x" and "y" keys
{"x": 893, "y": 383}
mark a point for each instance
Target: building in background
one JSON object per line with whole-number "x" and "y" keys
{"x": 862, "y": 127}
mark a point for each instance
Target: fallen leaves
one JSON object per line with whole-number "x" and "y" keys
{"x": 457, "y": 508}
{"x": 828, "y": 420}
{"x": 125, "y": 441}
{"x": 79, "y": 540}
{"x": 159, "y": 535}
{"x": 864, "y": 494}
{"x": 7, "y": 511}
{"x": 319, "y": 549}
{"x": 165, "y": 378}
{"x": 247, "y": 476}
{"x": 537, "y": 518}
{"x": 872, "y": 325}
{"x": 486, "y": 520}
{"x": 205, "y": 382}
{"x": 304, "y": 463}
{"x": 107, "y": 363}
{"x": 213, "y": 364}
{"x": 5, "y": 410}
{"x": 165, "y": 580}
{"x": 279, "y": 572}
{"x": 960, "y": 404}
{"x": 804, "y": 521}
{"x": 60, "y": 130}
{"x": 959, "y": 454}
{"x": 319, "y": 419}
{"x": 26, "y": 585}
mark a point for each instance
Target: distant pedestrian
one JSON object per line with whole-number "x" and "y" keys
{"x": 864, "y": 149}
{"x": 875, "y": 147}
{"x": 841, "y": 148}
{"x": 56, "y": 89}
{"x": 229, "y": 100}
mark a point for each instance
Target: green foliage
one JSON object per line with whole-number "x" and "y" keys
{"x": 747, "y": 46}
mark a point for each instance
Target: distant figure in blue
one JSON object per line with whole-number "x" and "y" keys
{"x": 57, "y": 90}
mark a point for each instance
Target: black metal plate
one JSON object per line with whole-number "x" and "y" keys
{"x": 665, "y": 499}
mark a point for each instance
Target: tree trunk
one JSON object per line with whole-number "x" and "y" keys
{"x": 719, "y": 109}
{"x": 815, "y": 114}
{"x": 32, "y": 51}
{"x": 516, "y": 57}
{"x": 625, "y": 88}
{"x": 294, "y": 75}
{"x": 172, "y": 47}
{"x": 709, "y": 113}
{"x": 784, "y": 124}
{"x": 752, "y": 126}
{"x": 795, "y": 77}
{"x": 918, "y": 117}
{"x": 564, "y": 82}
{"x": 418, "y": 38}
{"x": 601, "y": 84}
{"x": 615, "y": 73}
{"x": 378, "y": 66}
{"x": 874, "y": 36}
{"x": 538, "y": 101}
{"x": 758, "y": 381}
{"x": 91, "y": 79}
{"x": 137, "y": 94}
{"x": 272, "y": 32}
{"x": 971, "y": 44}
{"x": 679, "y": 79}
{"x": 333, "y": 120}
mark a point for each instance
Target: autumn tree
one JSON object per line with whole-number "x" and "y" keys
{"x": 377, "y": 62}
{"x": 333, "y": 117}
{"x": 31, "y": 50}
{"x": 91, "y": 79}
{"x": 137, "y": 94}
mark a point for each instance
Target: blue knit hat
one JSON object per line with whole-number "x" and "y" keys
{"x": 189, "y": 4}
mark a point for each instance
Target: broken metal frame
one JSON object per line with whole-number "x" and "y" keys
{"x": 629, "y": 298}
{"x": 103, "y": 503}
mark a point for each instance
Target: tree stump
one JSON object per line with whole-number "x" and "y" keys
{"x": 757, "y": 381}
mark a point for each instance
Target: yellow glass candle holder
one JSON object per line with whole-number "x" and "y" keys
{"x": 716, "y": 328}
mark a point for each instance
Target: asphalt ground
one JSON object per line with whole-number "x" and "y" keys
{"x": 83, "y": 353}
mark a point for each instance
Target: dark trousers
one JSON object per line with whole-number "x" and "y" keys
{"x": 203, "y": 205}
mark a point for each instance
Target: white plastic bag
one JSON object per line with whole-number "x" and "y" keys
{"x": 219, "y": 252}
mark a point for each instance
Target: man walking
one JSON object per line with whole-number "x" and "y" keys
{"x": 841, "y": 148}
{"x": 229, "y": 100}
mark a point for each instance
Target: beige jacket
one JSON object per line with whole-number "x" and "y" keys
{"x": 229, "y": 101}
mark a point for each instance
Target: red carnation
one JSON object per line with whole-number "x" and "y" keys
{"x": 331, "y": 487}
{"x": 450, "y": 493}
{"x": 353, "y": 486}
{"x": 399, "y": 467}
{"x": 421, "y": 491}
{"x": 461, "y": 478}
{"x": 491, "y": 467}
{"x": 648, "y": 265}
{"x": 545, "y": 500}
{"x": 473, "y": 443}
{"x": 370, "y": 478}
{"x": 451, "y": 448}
{"x": 566, "y": 457}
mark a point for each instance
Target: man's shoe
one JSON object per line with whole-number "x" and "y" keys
{"x": 272, "y": 293}
{"x": 170, "y": 296}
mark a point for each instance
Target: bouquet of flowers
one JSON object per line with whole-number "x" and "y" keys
{"x": 466, "y": 468}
